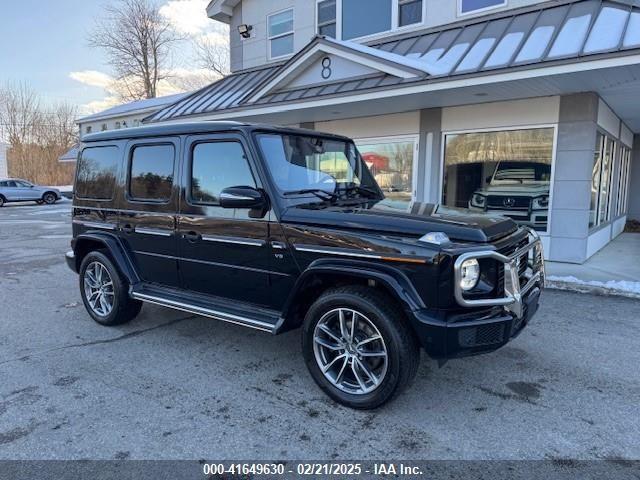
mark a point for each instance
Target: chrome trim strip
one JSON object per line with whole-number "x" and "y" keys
{"x": 103, "y": 226}
{"x": 185, "y": 307}
{"x": 233, "y": 240}
{"x": 335, "y": 251}
{"x": 158, "y": 232}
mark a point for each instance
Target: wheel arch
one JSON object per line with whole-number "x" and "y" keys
{"x": 89, "y": 242}
{"x": 325, "y": 274}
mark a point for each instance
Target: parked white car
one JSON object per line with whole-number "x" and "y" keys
{"x": 17, "y": 190}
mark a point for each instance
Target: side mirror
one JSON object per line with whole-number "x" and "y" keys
{"x": 242, "y": 197}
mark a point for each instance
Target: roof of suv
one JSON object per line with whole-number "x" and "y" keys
{"x": 182, "y": 128}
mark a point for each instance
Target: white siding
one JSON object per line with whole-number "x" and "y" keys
{"x": 3, "y": 160}
{"x": 507, "y": 114}
{"x": 369, "y": 127}
{"x": 252, "y": 52}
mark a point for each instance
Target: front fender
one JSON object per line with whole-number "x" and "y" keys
{"x": 326, "y": 270}
{"x": 86, "y": 242}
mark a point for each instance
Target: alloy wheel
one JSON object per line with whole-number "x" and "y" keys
{"x": 49, "y": 198}
{"x": 98, "y": 289}
{"x": 350, "y": 351}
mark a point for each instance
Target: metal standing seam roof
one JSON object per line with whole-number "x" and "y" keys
{"x": 525, "y": 37}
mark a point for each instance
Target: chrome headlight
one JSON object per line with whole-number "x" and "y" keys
{"x": 541, "y": 202}
{"x": 478, "y": 200}
{"x": 470, "y": 274}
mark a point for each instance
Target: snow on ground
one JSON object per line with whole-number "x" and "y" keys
{"x": 618, "y": 287}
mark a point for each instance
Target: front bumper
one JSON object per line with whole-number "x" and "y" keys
{"x": 483, "y": 325}
{"x": 472, "y": 333}
{"x": 70, "y": 258}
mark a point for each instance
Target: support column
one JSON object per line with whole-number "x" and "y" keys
{"x": 570, "y": 206}
{"x": 429, "y": 161}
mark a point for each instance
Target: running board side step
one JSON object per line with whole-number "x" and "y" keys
{"x": 205, "y": 312}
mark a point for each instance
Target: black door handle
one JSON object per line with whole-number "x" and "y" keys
{"x": 128, "y": 228}
{"x": 192, "y": 236}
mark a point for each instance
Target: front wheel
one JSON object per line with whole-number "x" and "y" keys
{"x": 358, "y": 347}
{"x": 49, "y": 198}
{"x": 104, "y": 291}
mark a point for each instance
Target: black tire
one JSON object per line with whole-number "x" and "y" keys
{"x": 403, "y": 351}
{"x": 49, "y": 198}
{"x": 124, "y": 308}
{"x": 2, "y": 200}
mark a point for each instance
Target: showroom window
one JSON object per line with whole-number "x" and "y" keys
{"x": 343, "y": 18}
{"x": 623, "y": 180}
{"x": 474, "y": 6}
{"x": 280, "y": 34}
{"x": 501, "y": 172}
{"x": 600, "y": 205}
{"x": 392, "y": 162}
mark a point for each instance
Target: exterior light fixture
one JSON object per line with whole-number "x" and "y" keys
{"x": 245, "y": 30}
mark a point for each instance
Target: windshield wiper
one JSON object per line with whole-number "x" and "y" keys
{"x": 369, "y": 192}
{"x": 318, "y": 192}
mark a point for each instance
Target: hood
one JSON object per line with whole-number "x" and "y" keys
{"x": 422, "y": 218}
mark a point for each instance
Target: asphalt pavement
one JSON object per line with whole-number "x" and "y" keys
{"x": 175, "y": 386}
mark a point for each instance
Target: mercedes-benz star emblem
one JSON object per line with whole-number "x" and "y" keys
{"x": 509, "y": 202}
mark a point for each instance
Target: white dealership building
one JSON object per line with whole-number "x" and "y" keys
{"x": 518, "y": 107}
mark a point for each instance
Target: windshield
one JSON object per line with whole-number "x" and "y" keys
{"x": 522, "y": 172}
{"x": 301, "y": 163}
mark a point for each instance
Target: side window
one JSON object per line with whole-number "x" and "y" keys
{"x": 3, "y": 184}
{"x": 12, "y": 184}
{"x": 216, "y": 166}
{"x": 151, "y": 172}
{"x": 97, "y": 170}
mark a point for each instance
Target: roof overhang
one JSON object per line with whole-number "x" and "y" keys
{"x": 622, "y": 71}
{"x": 221, "y": 10}
{"x": 383, "y": 62}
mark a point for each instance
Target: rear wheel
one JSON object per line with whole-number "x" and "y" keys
{"x": 2, "y": 201}
{"x": 358, "y": 347}
{"x": 105, "y": 292}
{"x": 49, "y": 198}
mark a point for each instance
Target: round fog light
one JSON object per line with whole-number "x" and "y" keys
{"x": 470, "y": 270}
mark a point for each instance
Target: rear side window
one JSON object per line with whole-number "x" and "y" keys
{"x": 97, "y": 170}
{"x": 216, "y": 166}
{"x": 151, "y": 172}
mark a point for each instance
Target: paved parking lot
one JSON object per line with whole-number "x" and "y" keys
{"x": 171, "y": 385}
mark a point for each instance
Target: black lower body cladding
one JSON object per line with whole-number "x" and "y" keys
{"x": 473, "y": 332}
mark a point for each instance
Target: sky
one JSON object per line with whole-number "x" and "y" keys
{"x": 45, "y": 45}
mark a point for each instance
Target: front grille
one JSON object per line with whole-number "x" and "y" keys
{"x": 508, "y": 251}
{"x": 481, "y": 335}
{"x": 505, "y": 202}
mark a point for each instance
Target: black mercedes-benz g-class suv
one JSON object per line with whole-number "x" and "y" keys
{"x": 277, "y": 228}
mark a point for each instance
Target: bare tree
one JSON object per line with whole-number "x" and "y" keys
{"x": 213, "y": 56}
{"x": 138, "y": 43}
{"x": 19, "y": 112}
{"x": 37, "y": 135}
